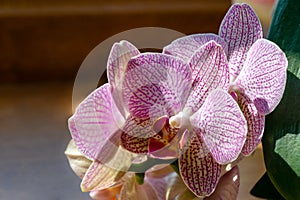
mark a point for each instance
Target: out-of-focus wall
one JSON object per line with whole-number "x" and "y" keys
{"x": 48, "y": 40}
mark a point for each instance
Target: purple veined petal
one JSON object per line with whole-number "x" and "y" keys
{"x": 156, "y": 85}
{"x": 222, "y": 126}
{"x": 209, "y": 71}
{"x": 94, "y": 122}
{"x": 240, "y": 28}
{"x": 136, "y": 133}
{"x": 198, "y": 169}
{"x": 119, "y": 56}
{"x": 132, "y": 191}
{"x": 99, "y": 177}
{"x": 263, "y": 76}
{"x": 228, "y": 186}
{"x": 255, "y": 124}
{"x": 139, "y": 127}
{"x": 185, "y": 47}
{"x": 134, "y": 144}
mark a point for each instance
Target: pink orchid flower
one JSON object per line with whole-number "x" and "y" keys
{"x": 142, "y": 90}
{"x": 158, "y": 85}
{"x": 257, "y": 66}
{"x": 154, "y": 102}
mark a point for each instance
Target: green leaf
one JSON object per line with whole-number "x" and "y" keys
{"x": 285, "y": 31}
{"x": 264, "y": 188}
{"x": 285, "y": 119}
{"x": 288, "y": 147}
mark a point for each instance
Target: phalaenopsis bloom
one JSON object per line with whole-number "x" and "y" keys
{"x": 201, "y": 101}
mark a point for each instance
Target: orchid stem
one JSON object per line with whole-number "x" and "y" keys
{"x": 175, "y": 167}
{"x": 139, "y": 177}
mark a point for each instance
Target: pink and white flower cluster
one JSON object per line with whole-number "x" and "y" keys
{"x": 202, "y": 101}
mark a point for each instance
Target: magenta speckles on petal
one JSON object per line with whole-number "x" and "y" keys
{"x": 185, "y": 47}
{"x": 134, "y": 144}
{"x": 255, "y": 122}
{"x": 198, "y": 169}
{"x": 156, "y": 85}
{"x": 222, "y": 126}
{"x": 240, "y": 28}
{"x": 209, "y": 71}
{"x": 94, "y": 123}
{"x": 263, "y": 76}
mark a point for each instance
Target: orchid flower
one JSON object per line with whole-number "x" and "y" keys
{"x": 95, "y": 125}
{"x": 208, "y": 122}
{"x": 257, "y": 67}
{"x": 184, "y": 103}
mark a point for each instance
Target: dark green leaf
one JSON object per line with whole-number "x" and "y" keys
{"x": 285, "y": 119}
{"x": 285, "y": 31}
{"x": 264, "y": 188}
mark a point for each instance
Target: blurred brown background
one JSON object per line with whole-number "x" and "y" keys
{"x": 42, "y": 44}
{"x": 48, "y": 40}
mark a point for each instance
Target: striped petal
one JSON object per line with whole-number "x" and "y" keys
{"x": 240, "y": 28}
{"x": 209, "y": 71}
{"x": 134, "y": 144}
{"x": 136, "y": 133}
{"x": 156, "y": 85}
{"x": 228, "y": 186}
{"x": 119, "y": 56}
{"x": 95, "y": 122}
{"x": 222, "y": 126}
{"x": 263, "y": 76}
{"x": 255, "y": 124}
{"x": 101, "y": 176}
{"x": 185, "y": 47}
{"x": 198, "y": 168}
